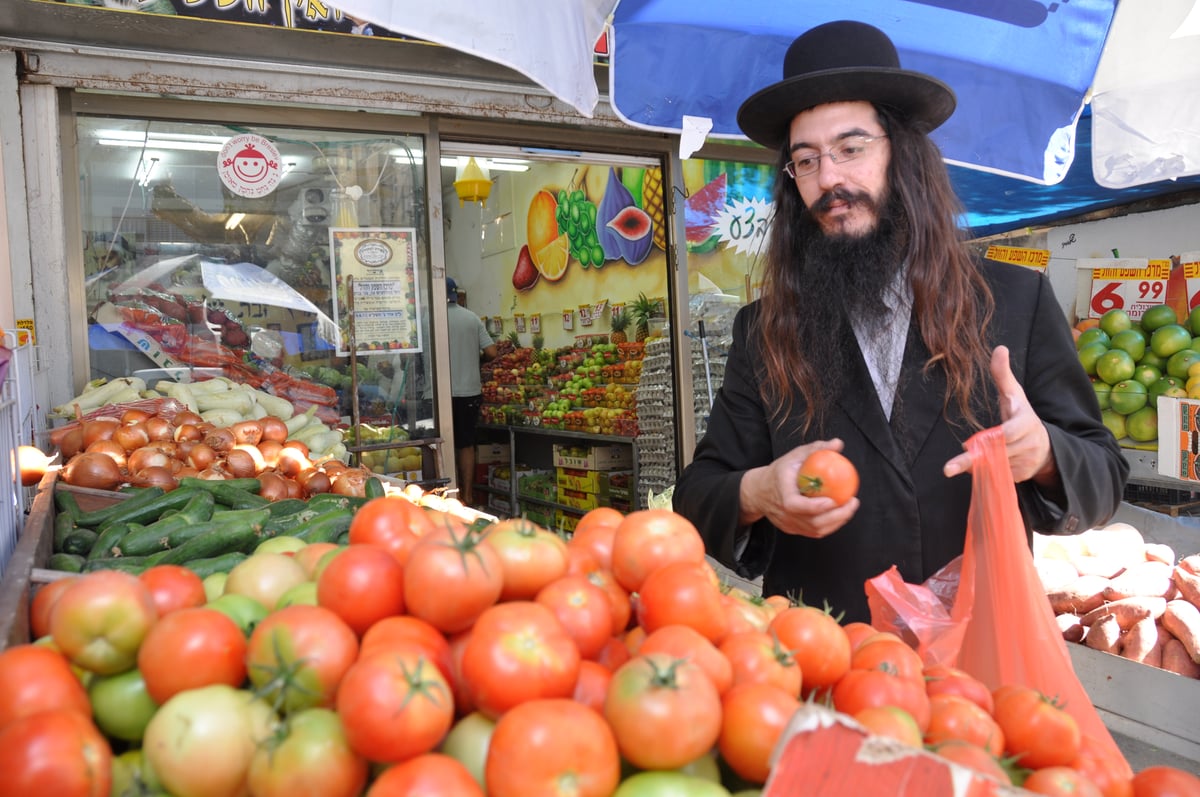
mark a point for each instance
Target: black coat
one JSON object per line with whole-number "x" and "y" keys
{"x": 910, "y": 515}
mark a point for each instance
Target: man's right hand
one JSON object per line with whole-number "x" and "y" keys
{"x": 771, "y": 492}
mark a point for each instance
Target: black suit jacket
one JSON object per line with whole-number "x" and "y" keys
{"x": 910, "y": 515}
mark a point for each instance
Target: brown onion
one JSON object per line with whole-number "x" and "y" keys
{"x": 187, "y": 416}
{"x": 160, "y": 428}
{"x": 148, "y": 457}
{"x": 270, "y": 452}
{"x": 71, "y": 443}
{"x": 274, "y": 428}
{"x": 274, "y": 486}
{"x": 240, "y": 464}
{"x": 131, "y": 436}
{"x": 351, "y": 482}
{"x": 221, "y": 440}
{"x": 98, "y": 429}
{"x": 187, "y": 472}
{"x": 133, "y": 415}
{"x": 213, "y": 473}
{"x": 246, "y": 432}
{"x": 183, "y": 448}
{"x": 314, "y": 482}
{"x": 201, "y": 456}
{"x": 111, "y": 449}
{"x": 333, "y": 467}
{"x": 294, "y": 490}
{"x": 299, "y": 445}
{"x": 291, "y": 462}
{"x": 92, "y": 470}
{"x": 188, "y": 431}
{"x": 155, "y": 476}
{"x": 260, "y": 464}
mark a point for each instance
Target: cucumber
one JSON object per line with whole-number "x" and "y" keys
{"x": 233, "y": 518}
{"x": 325, "y": 527}
{"x": 325, "y": 501}
{"x": 115, "y": 511}
{"x": 107, "y": 541}
{"x": 65, "y": 562}
{"x": 154, "y": 537}
{"x": 234, "y": 493}
{"x": 126, "y": 564}
{"x": 222, "y": 563}
{"x": 80, "y": 542}
{"x": 242, "y": 537}
{"x": 374, "y": 488}
{"x": 276, "y": 526}
{"x": 65, "y": 504}
{"x": 287, "y": 506}
{"x": 64, "y": 525}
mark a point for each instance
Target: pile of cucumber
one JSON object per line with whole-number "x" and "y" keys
{"x": 205, "y": 525}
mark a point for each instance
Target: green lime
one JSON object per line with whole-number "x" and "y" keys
{"x": 1102, "y": 389}
{"x": 1115, "y": 321}
{"x": 1168, "y": 339}
{"x": 1128, "y": 396}
{"x": 1150, "y": 358}
{"x": 1147, "y": 374}
{"x": 1115, "y": 423}
{"x": 1090, "y": 336}
{"x": 1193, "y": 321}
{"x": 1115, "y": 365}
{"x": 1089, "y": 354}
{"x": 1179, "y": 362}
{"x": 1195, "y": 343}
{"x": 1160, "y": 315}
{"x": 1165, "y": 386}
{"x": 1130, "y": 340}
{"x": 1142, "y": 425}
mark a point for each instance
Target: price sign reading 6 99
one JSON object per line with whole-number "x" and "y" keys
{"x": 1133, "y": 290}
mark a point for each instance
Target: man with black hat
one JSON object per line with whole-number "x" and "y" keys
{"x": 879, "y": 335}
{"x": 470, "y": 344}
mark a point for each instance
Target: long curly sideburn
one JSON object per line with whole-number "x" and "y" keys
{"x": 952, "y": 302}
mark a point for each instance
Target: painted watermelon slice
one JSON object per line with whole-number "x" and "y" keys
{"x": 701, "y": 211}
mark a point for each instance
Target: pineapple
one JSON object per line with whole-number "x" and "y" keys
{"x": 619, "y": 323}
{"x": 514, "y": 339}
{"x": 539, "y": 341}
{"x": 642, "y": 311}
{"x": 652, "y": 203}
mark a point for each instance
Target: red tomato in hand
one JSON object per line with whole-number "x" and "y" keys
{"x": 101, "y": 619}
{"x": 173, "y": 587}
{"x": 650, "y": 538}
{"x": 516, "y": 652}
{"x": 451, "y": 576}
{"x": 531, "y": 557}
{"x": 552, "y": 747}
{"x": 1035, "y": 729}
{"x": 828, "y": 474}
{"x": 664, "y": 711}
{"x": 191, "y": 648}
{"x": 34, "y": 678}
{"x": 56, "y": 752}
{"x": 753, "y": 717}
{"x": 392, "y": 523}
{"x": 362, "y": 585}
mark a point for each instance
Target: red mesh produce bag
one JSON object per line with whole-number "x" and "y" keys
{"x": 986, "y": 611}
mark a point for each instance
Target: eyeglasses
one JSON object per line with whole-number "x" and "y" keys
{"x": 807, "y": 161}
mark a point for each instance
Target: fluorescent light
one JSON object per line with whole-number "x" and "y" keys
{"x": 148, "y": 165}
{"x": 234, "y": 220}
{"x": 158, "y": 143}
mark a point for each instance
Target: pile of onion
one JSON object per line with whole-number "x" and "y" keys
{"x": 143, "y": 449}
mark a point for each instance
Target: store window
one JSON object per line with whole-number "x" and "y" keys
{"x": 728, "y": 210}
{"x": 564, "y": 257}
{"x": 223, "y": 250}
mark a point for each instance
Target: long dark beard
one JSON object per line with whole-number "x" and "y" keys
{"x": 845, "y": 277}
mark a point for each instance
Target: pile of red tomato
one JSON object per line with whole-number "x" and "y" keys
{"x": 430, "y": 658}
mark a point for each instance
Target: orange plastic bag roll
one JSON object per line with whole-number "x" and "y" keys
{"x": 993, "y": 620}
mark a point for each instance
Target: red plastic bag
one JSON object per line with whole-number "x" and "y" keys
{"x": 986, "y": 612}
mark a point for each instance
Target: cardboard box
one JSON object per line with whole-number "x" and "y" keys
{"x": 616, "y": 486}
{"x": 566, "y": 521}
{"x": 491, "y": 453}
{"x": 585, "y": 481}
{"x": 614, "y": 457}
{"x": 1179, "y": 438}
{"x": 538, "y": 485}
{"x": 577, "y": 499}
{"x": 543, "y": 516}
{"x": 499, "y": 505}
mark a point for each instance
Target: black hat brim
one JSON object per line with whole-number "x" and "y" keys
{"x": 767, "y": 114}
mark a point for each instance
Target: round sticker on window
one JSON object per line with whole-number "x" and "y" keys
{"x": 373, "y": 252}
{"x": 249, "y": 165}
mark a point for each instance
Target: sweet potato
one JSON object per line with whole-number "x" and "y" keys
{"x": 1175, "y": 659}
{"x": 1072, "y": 629}
{"x": 1055, "y": 573}
{"x": 1103, "y": 566}
{"x": 1079, "y": 597}
{"x": 1188, "y": 584}
{"x": 1119, "y": 541}
{"x": 1143, "y": 580}
{"x": 1182, "y": 619}
{"x": 1127, "y": 611}
{"x": 1191, "y": 564}
{"x": 1137, "y": 643}
{"x": 1104, "y": 635}
{"x": 1160, "y": 552}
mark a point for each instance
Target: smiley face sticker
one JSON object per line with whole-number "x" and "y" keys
{"x": 249, "y": 165}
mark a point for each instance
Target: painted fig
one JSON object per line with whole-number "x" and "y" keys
{"x": 525, "y": 275}
{"x": 634, "y": 234}
{"x": 616, "y": 198}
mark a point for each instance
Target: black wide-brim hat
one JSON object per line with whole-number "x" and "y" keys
{"x": 843, "y": 61}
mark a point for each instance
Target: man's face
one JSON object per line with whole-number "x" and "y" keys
{"x": 843, "y": 197}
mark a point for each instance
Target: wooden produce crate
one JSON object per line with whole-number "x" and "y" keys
{"x": 24, "y": 571}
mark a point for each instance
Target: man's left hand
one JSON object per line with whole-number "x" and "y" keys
{"x": 1025, "y": 437}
